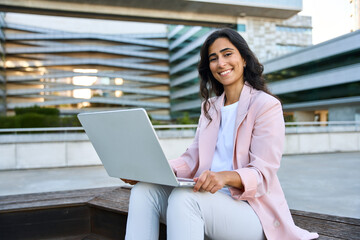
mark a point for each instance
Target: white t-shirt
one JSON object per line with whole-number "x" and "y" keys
{"x": 223, "y": 156}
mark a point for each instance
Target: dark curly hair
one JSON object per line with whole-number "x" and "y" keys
{"x": 252, "y": 72}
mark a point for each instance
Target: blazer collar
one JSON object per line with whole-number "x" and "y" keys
{"x": 244, "y": 102}
{"x": 243, "y": 106}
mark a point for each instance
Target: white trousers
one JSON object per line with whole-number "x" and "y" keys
{"x": 189, "y": 215}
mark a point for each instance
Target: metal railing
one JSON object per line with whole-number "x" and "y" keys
{"x": 321, "y": 127}
{"x": 41, "y": 130}
{"x": 76, "y": 129}
{"x": 331, "y": 125}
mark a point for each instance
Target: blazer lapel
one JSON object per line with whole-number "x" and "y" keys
{"x": 242, "y": 111}
{"x": 243, "y": 106}
{"x": 208, "y": 136}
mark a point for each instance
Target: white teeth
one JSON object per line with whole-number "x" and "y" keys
{"x": 225, "y": 72}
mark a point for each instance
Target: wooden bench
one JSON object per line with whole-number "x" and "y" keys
{"x": 101, "y": 214}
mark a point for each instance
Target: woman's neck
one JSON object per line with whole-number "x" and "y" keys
{"x": 232, "y": 94}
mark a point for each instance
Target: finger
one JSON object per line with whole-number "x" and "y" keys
{"x": 215, "y": 189}
{"x": 210, "y": 186}
{"x": 127, "y": 181}
{"x": 212, "y": 181}
{"x": 201, "y": 179}
{"x": 206, "y": 186}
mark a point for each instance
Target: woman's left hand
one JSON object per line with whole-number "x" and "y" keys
{"x": 210, "y": 181}
{"x": 131, "y": 182}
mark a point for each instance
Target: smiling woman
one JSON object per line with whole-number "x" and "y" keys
{"x": 233, "y": 160}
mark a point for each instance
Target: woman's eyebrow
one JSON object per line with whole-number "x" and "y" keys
{"x": 225, "y": 49}
{"x": 213, "y": 54}
{"x": 222, "y": 50}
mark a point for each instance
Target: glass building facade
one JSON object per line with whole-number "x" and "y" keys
{"x": 322, "y": 78}
{"x": 2, "y": 70}
{"x": 184, "y": 48}
{"x": 266, "y": 38}
{"x": 77, "y": 71}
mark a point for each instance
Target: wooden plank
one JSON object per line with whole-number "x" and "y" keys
{"x": 51, "y": 199}
{"x": 333, "y": 218}
{"x": 325, "y": 227}
{"x": 93, "y": 236}
{"x": 116, "y": 200}
{"x": 112, "y": 204}
{"x": 108, "y": 223}
{"x": 45, "y": 223}
{"x": 68, "y": 202}
{"x": 327, "y": 238}
{"x": 54, "y": 195}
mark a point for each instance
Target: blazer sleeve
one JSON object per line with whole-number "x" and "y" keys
{"x": 266, "y": 148}
{"x": 186, "y": 165}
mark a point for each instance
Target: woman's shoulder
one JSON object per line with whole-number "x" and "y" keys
{"x": 261, "y": 99}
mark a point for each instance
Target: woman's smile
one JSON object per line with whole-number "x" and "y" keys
{"x": 225, "y": 73}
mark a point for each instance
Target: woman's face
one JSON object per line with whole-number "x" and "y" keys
{"x": 226, "y": 63}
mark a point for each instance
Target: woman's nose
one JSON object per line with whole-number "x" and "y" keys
{"x": 221, "y": 62}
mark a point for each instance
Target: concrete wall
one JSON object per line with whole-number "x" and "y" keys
{"x": 24, "y": 155}
{"x": 305, "y": 143}
{"x": 265, "y": 40}
{"x": 59, "y": 150}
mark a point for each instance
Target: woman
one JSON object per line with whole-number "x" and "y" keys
{"x": 233, "y": 159}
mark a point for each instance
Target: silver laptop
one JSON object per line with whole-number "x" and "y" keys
{"x": 128, "y": 147}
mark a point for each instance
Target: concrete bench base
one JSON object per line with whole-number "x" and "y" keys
{"x": 101, "y": 214}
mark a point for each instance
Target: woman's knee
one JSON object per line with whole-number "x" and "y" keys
{"x": 152, "y": 193}
{"x": 143, "y": 189}
{"x": 181, "y": 197}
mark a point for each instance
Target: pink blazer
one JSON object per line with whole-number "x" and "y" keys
{"x": 259, "y": 140}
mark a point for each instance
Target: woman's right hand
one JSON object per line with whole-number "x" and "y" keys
{"x": 131, "y": 182}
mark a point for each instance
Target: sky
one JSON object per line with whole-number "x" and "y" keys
{"x": 330, "y": 18}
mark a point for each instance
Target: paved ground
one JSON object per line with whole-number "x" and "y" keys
{"x": 322, "y": 183}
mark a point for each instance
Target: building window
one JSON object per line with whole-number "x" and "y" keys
{"x": 293, "y": 29}
{"x": 284, "y": 49}
{"x": 241, "y": 28}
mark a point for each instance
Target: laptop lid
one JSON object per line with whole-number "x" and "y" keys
{"x": 127, "y": 145}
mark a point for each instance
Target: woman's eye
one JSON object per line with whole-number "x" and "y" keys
{"x": 227, "y": 54}
{"x": 212, "y": 59}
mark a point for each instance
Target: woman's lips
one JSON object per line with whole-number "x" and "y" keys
{"x": 226, "y": 72}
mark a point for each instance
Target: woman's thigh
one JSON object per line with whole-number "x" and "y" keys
{"x": 150, "y": 198}
{"x": 147, "y": 205}
{"x": 224, "y": 217}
